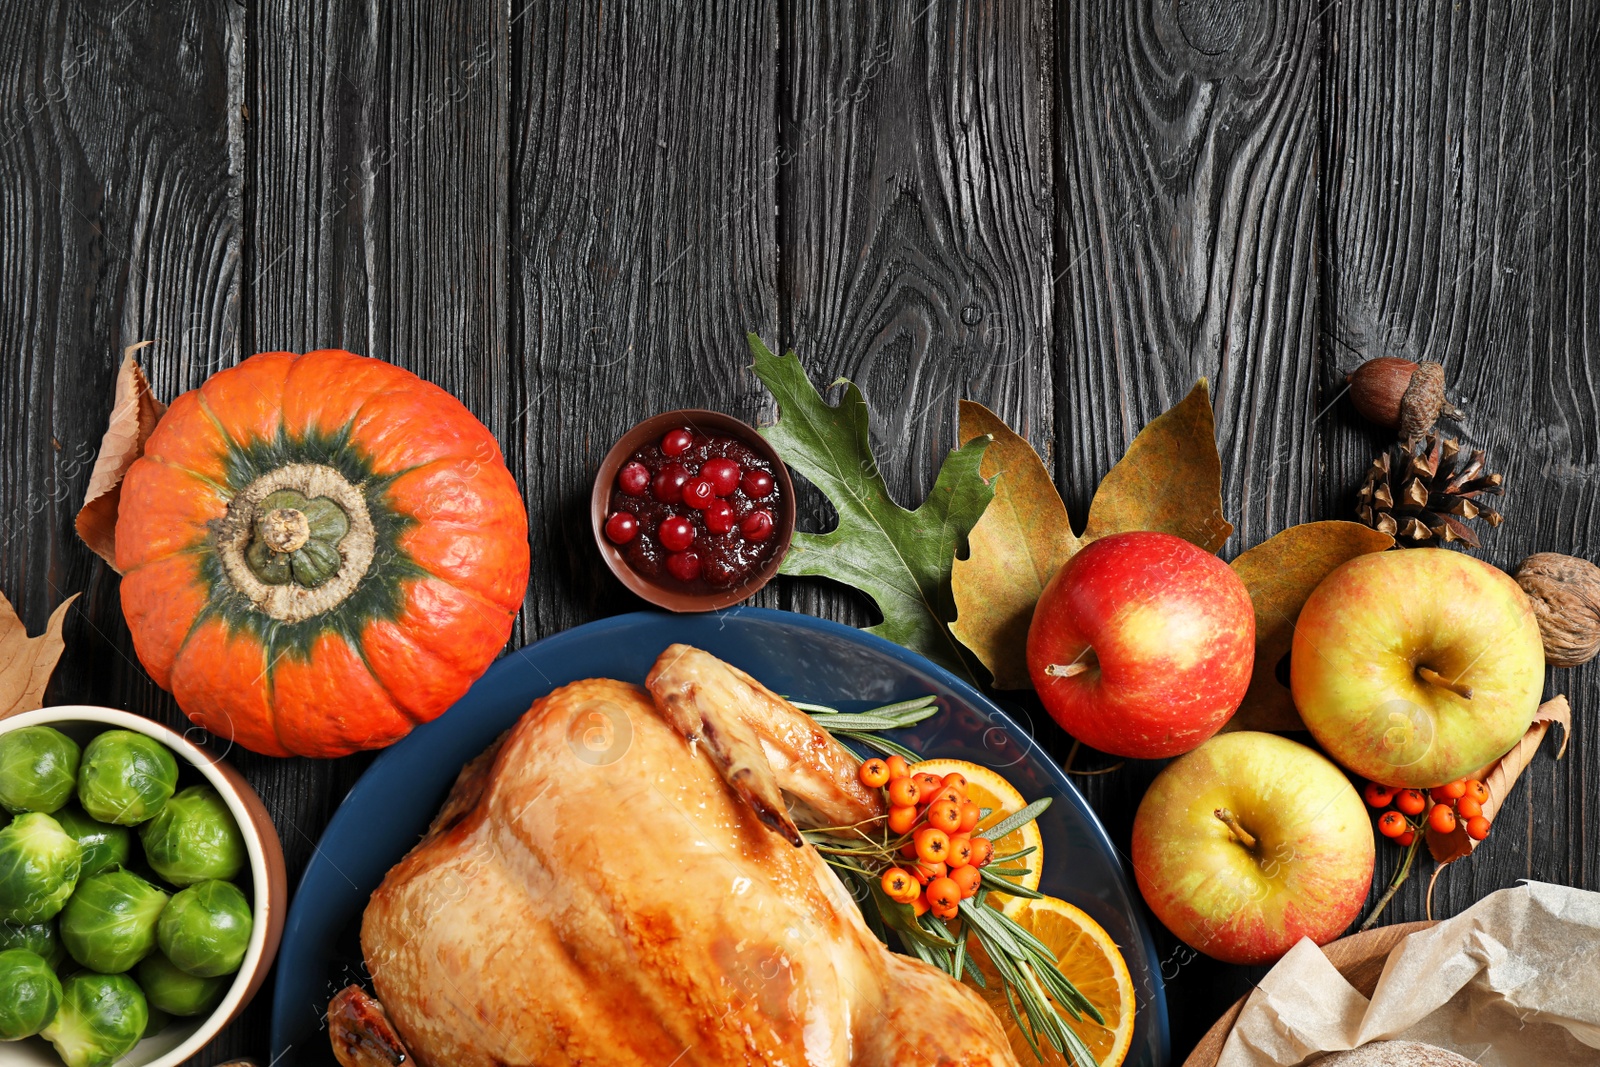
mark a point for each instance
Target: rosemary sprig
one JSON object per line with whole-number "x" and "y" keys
{"x": 881, "y": 744}
{"x": 1036, "y": 991}
{"x": 864, "y": 727}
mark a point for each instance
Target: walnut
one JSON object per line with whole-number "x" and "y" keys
{"x": 1566, "y": 600}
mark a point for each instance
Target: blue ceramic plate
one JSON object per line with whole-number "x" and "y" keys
{"x": 799, "y": 656}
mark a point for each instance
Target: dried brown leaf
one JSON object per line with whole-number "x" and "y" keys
{"x": 134, "y": 414}
{"x": 1169, "y": 480}
{"x": 1280, "y": 573}
{"x": 26, "y": 662}
{"x": 1015, "y": 549}
{"x": 1501, "y": 775}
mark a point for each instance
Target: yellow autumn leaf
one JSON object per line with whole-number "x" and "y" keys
{"x": 1017, "y": 546}
{"x": 26, "y": 663}
{"x": 1280, "y": 573}
{"x": 134, "y": 414}
{"x": 1169, "y": 480}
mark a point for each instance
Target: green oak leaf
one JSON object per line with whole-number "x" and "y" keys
{"x": 899, "y": 558}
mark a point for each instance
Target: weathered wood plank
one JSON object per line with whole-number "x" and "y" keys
{"x": 643, "y": 249}
{"x": 121, "y": 215}
{"x": 376, "y": 138}
{"x": 915, "y": 226}
{"x": 1186, "y": 228}
{"x": 377, "y": 149}
{"x": 120, "y": 204}
{"x": 1460, "y": 226}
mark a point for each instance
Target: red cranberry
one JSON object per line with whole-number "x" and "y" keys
{"x": 757, "y": 526}
{"x": 668, "y": 485}
{"x": 684, "y": 566}
{"x": 634, "y": 479}
{"x": 621, "y": 527}
{"x": 719, "y": 516}
{"x": 676, "y": 442}
{"x": 757, "y": 485}
{"x": 723, "y": 474}
{"x": 677, "y": 533}
{"x": 699, "y": 492}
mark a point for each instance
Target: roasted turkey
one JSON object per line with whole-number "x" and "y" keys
{"x": 621, "y": 880}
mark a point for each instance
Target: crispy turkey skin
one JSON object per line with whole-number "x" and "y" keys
{"x": 618, "y": 882}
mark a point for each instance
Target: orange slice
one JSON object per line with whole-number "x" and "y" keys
{"x": 988, "y": 790}
{"x": 1091, "y": 961}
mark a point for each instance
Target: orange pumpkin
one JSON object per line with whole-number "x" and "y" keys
{"x": 319, "y": 552}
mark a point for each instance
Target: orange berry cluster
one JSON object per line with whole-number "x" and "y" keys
{"x": 939, "y": 819}
{"x": 1455, "y": 803}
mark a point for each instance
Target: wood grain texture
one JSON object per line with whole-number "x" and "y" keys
{"x": 376, "y": 142}
{"x": 643, "y": 250}
{"x": 915, "y": 218}
{"x": 1461, "y": 226}
{"x": 569, "y": 215}
{"x": 1186, "y": 227}
{"x": 120, "y": 207}
{"x": 120, "y": 214}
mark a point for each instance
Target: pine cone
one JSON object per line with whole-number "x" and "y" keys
{"x": 1421, "y": 495}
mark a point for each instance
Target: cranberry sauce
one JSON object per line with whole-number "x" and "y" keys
{"x": 694, "y": 511}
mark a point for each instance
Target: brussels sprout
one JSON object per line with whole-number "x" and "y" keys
{"x": 38, "y": 769}
{"x": 104, "y": 846}
{"x": 38, "y": 938}
{"x": 205, "y": 929}
{"x": 193, "y": 838}
{"x": 39, "y": 864}
{"x": 101, "y": 1018}
{"x": 126, "y": 777}
{"x": 178, "y": 992}
{"x": 110, "y": 923}
{"x": 30, "y": 993}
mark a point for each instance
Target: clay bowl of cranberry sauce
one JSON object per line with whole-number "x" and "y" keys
{"x": 692, "y": 510}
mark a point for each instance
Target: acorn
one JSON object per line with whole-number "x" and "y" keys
{"x": 1565, "y": 592}
{"x": 1401, "y": 395}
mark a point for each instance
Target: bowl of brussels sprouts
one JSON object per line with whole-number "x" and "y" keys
{"x": 142, "y": 891}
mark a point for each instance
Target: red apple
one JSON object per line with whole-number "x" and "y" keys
{"x": 1142, "y": 645}
{"x": 1416, "y": 667}
{"x": 1251, "y": 842}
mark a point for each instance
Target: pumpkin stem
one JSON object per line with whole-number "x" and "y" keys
{"x": 285, "y": 529}
{"x": 296, "y": 541}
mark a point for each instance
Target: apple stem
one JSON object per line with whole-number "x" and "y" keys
{"x": 1065, "y": 670}
{"x": 1428, "y": 674}
{"x": 1084, "y": 661}
{"x": 1246, "y": 838}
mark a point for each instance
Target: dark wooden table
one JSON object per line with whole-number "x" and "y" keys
{"x": 569, "y": 214}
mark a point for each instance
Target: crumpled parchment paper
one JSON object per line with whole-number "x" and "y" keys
{"x": 1513, "y": 981}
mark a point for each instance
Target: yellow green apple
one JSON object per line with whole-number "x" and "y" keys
{"x": 1251, "y": 842}
{"x": 1417, "y": 667}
